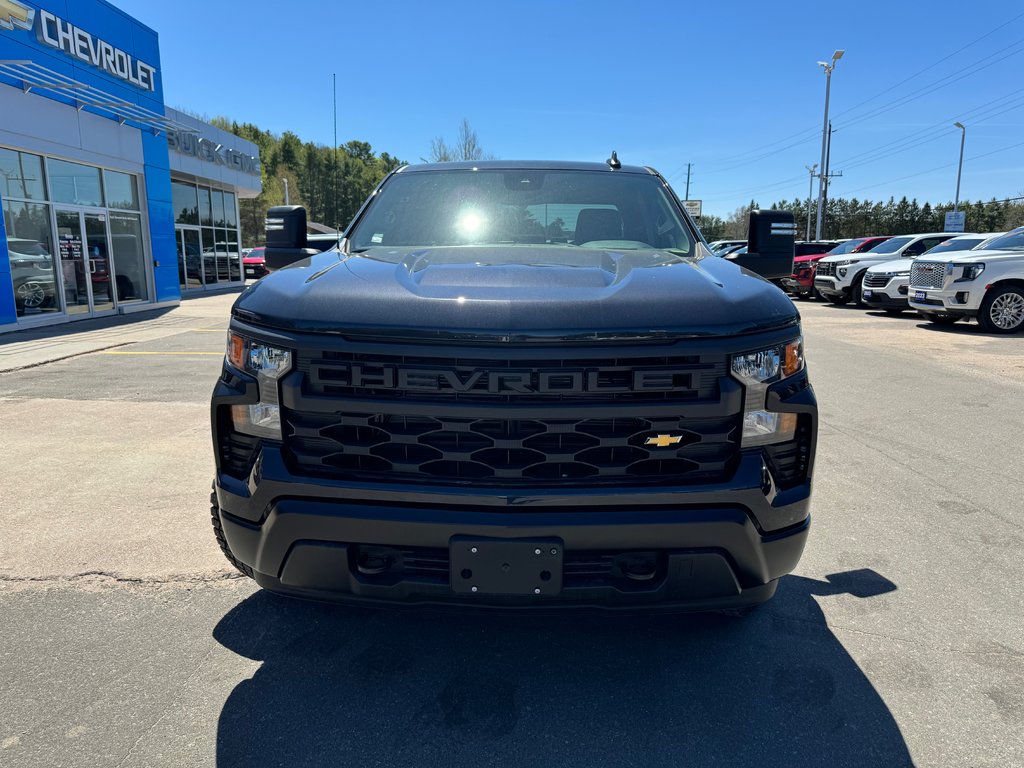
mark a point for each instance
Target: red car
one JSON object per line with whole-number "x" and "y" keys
{"x": 801, "y": 282}
{"x": 254, "y": 264}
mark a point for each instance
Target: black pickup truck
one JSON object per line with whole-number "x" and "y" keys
{"x": 517, "y": 385}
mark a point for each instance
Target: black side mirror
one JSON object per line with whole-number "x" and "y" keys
{"x": 286, "y": 237}
{"x": 770, "y": 244}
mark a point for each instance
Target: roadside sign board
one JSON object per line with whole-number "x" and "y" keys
{"x": 955, "y": 221}
{"x": 693, "y": 208}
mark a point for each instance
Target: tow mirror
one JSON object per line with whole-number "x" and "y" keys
{"x": 286, "y": 237}
{"x": 770, "y": 244}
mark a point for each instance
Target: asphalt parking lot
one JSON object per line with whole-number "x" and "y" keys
{"x": 126, "y": 639}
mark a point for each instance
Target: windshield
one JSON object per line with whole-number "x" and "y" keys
{"x": 890, "y": 246}
{"x": 848, "y": 247}
{"x": 595, "y": 209}
{"x": 1011, "y": 241}
{"x": 956, "y": 244}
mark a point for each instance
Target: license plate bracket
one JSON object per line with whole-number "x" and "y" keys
{"x": 480, "y": 566}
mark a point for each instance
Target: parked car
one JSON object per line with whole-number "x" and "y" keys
{"x": 986, "y": 284}
{"x": 839, "y": 278}
{"x": 31, "y": 274}
{"x": 886, "y": 284}
{"x": 720, "y": 245}
{"x": 801, "y": 283}
{"x": 254, "y": 263}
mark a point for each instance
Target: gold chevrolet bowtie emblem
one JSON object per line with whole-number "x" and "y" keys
{"x": 15, "y": 15}
{"x": 664, "y": 441}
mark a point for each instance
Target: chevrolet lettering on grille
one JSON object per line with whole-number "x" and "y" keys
{"x": 481, "y": 381}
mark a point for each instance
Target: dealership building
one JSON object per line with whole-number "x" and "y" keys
{"x": 112, "y": 202}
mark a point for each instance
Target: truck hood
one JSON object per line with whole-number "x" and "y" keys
{"x": 972, "y": 257}
{"x": 517, "y": 292}
{"x": 896, "y": 265}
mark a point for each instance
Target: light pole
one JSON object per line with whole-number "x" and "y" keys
{"x": 828, "y": 67}
{"x": 286, "y": 191}
{"x": 960, "y": 167}
{"x": 810, "y": 193}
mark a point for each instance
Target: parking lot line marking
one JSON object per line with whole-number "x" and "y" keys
{"x": 118, "y": 352}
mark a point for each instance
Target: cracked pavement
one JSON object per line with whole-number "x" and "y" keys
{"x": 127, "y": 640}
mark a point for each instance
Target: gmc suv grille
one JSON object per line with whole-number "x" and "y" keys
{"x": 927, "y": 274}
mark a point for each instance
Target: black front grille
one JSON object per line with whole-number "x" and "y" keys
{"x": 534, "y": 451}
{"x": 668, "y": 378}
{"x": 826, "y": 268}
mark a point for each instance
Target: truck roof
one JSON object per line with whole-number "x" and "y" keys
{"x": 517, "y": 165}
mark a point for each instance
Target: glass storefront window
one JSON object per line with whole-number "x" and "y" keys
{"x": 205, "y": 211}
{"x": 218, "y": 208}
{"x": 218, "y": 258}
{"x": 234, "y": 255}
{"x": 74, "y": 183}
{"x": 230, "y": 212}
{"x": 21, "y": 175}
{"x": 209, "y": 257}
{"x": 129, "y": 257}
{"x": 122, "y": 190}
{"x": 30, "y": 250}
{"x": 186, "y": 206}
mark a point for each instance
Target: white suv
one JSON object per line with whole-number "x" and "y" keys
{"x": 885, "y": 285}
{"x": 985, "y": 284}
{"x": 839, "y": 278}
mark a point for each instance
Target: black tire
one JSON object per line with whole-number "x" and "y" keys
{"x": 839, "y": 300}
{"x": 1002, "y": 310}
{"x": 218, "y": 531}
{"x": 939, "y": 318}
{"x": 857, "y": 290}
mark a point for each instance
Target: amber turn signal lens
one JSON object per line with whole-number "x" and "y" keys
{"x": 794, "y": 359}
{"x": 236, "y": 350}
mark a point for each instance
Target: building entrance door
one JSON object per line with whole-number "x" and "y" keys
{"x": 87, "y": 273}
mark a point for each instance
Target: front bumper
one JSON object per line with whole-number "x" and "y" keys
{"x": 960, "y": 299}
{"x": 714, "y": 547}
{"x": 830, "y": 287}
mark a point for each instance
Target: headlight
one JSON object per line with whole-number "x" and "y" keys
{"x": 757, "y": 370}
{"x": 268, "y": 364}
{"x": 971, "y": 272}
{"x": 842, "y": 271}
{"x": 901, "y": 274}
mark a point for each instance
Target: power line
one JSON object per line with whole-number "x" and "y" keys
{"x": 937, "y": 168}
{"x": 808, "y": 134}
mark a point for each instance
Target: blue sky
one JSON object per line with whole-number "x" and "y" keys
{"x": 731, "y": 87}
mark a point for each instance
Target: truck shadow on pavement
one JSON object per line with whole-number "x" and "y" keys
{"x": 358, "y": 687}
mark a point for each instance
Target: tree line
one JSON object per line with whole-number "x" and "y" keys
{"x": 863, "y": 218}
{"x": 332, "y": 183}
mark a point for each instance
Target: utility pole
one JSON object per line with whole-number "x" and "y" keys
{"x": 824, "y": 197}
{"x": 836, "y": 56}
{"x": 810, "y": 194}
{"x": 285, "y": 191}
{"x": 960, "y": 167}
{"x": 688, "y": 181}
